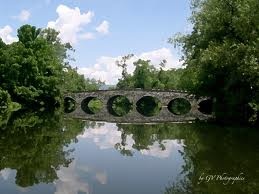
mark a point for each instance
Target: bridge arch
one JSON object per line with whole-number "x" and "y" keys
{"x": 119, "y": 105}
{"x": 165, "y": 97}
{"x": 206, "y": 106}
{"x": 179, "y": 106}
{"x": 148, "y": 106}
{"x": 69, "y": 104}
{"x": 85, "y": 105}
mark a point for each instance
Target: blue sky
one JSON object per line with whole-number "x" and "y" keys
{"x": 102, "y": 31}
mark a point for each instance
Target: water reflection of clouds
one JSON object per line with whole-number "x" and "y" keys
{"x": 5, "y": 173}
{"x": 8, "y": 174}
{"x": 70, "y": 179}
{"x": 101, "y": 177}
{"x": 106, "y": 136}
{"x": 156, "y": 150}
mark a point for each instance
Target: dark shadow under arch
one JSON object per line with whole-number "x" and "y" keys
{"x": 119, "y": 105}
{"x": 69, "y": 104}
{"x": 149, "y": 106}
{"x": 91, "y": 105}
{"x": 179, "y": 106}
{"x": 206, "y": 106}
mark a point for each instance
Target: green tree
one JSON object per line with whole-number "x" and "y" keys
{"x": 74, "y": 82}
{"x": 6, "y": 107}
{"x": 35, "y": 71}
{"x": 146, "y": 76}
{"x": 142, "y": 75}
{"x": 221, "y": 54}
{"x": 31, "y": 70}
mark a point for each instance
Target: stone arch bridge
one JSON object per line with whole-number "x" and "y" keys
{"x": 165, "y": 97}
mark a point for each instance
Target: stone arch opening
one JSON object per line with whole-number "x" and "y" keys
{"x": 206, "y": 106}
{"x": 179, "y": 106}
{"x": 119, "y": 105}
{"x": 69, "y": 104}
{"x": 149, "y": 106}
{"x": 91, "y": 105}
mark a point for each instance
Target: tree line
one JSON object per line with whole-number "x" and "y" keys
{"x": 35, "y": 71}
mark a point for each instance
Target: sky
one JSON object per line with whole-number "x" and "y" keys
{"x": 102, "y": 31}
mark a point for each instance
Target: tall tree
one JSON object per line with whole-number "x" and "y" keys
{"x": 222, "y": 55}
{"x": 35, "y": 71}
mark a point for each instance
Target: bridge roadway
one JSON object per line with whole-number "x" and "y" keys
{"x": 165, "y": 97}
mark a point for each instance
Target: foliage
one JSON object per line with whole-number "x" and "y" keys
{"x": 30, "y": 69}
{"x": 74, "y": 82}
{"x": 123, "y": 65}
{"x": 149, "y": 106}
{"x": 6, "y": 107}
{"x": 6, "y": 102}
{"x": 145, "y": 136}
{"x": 146, "y": 76}
{"x": 202, "y": 154}
{"x": 69, "y": 105}
{"x": 95, "y": 105}
{"x": 179, "y": 106}
{"x": 221, "y": 55}
{"x": 35, "y": 71}
{"x": 120, "y": 106}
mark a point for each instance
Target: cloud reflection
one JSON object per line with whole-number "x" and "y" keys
{"x": 107, "y": 136}
{"x": 101, "y": 177}
{"x": 5, "y": 173}
{"x": 69, "y": 181}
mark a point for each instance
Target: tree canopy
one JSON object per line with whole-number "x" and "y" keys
{"x": 35, "y": 70}
{"x": 146, "y": 76}
{"x": 221, "y": 55}
{"x": 221, "y": 59}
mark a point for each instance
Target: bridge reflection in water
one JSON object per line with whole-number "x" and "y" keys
{"x": 134, "y": 96}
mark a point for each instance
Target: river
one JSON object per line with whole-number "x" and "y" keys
{"x": 49, "y": 154}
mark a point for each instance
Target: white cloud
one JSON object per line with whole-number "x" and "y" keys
{"x": 106, "y": 69}
{"x": 103, "y": 28}
{"x": 70, "y": 23}
{"x": 157, "y": 56}
{"x": 6, "y": 35}
{"x": 23, "y": 16}
{"x": 87, "y": 36}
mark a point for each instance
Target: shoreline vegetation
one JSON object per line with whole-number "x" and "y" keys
{"x": 220, "y": 54}
{"x": 35, "y": 72}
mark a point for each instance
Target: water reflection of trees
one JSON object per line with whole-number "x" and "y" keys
{"x": 208, "y": 149}
{"x": 146, "y": 135}
{"x": 214, "y": 151}
{"x": 33, "y": 145}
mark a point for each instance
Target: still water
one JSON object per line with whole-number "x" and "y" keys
{"x": 48, "y": 154}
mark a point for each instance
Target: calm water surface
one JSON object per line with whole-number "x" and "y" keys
{"x": 52, "y": 155}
